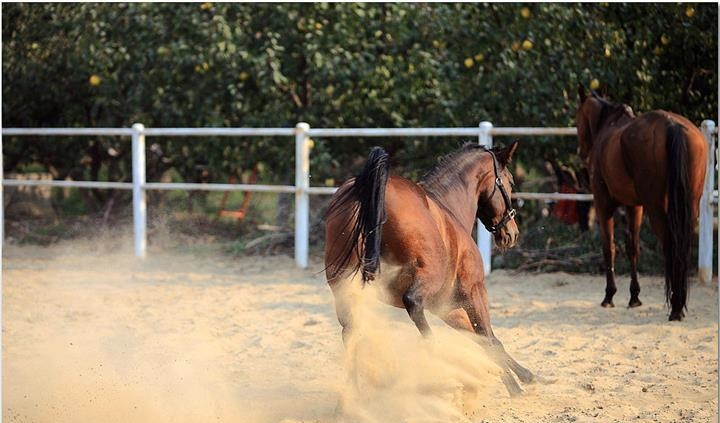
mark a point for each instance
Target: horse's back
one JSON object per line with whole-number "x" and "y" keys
{"x": 423, "y": 238}
{"x": 418, "y": 239}
{"x": 615, "y": 171}
{"x": 416, "y": 226}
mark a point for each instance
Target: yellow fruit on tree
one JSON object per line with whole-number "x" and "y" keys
{"x": 690, "y": 11}
{"x": 95, "y": 80}
{"x": 527, "y": 45}
{"x": 525, "y": 12}
{"x": 469, "y": 62}
{"x": 479, "y": 57}
{"x": 665, "y": 40}
{"x": 594, "y": 84}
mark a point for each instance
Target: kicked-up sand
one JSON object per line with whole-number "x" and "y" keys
{"x": 91, "y": 334}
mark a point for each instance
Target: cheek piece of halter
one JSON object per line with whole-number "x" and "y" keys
{"x": 510, "y": 212}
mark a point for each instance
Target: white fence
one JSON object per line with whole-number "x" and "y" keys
{"x": 302, "y": 189}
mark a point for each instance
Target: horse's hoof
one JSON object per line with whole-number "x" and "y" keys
{"x": 607, "y": 304}
{"x": 634, "y": 303}
{"x": 676, "y": 316}
{"x": 510, "y": 384}
{"x": 524, "y": 375}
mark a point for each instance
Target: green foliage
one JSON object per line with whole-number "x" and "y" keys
{"x": 333, "y": 65}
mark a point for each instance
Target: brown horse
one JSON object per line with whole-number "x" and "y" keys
{"x": 420, "y": 233}
{"x": 654, "y": 162}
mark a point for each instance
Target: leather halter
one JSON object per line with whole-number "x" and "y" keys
{"x": 510, "y": 212}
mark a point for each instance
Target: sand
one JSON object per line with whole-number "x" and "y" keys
{"x": 90, "y": 334}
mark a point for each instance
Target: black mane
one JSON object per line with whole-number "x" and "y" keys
{"x": 448, "y": 173}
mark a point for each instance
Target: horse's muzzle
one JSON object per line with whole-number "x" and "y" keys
{"x": 507, "y": 237}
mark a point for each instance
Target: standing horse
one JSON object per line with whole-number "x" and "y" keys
{"x": 420, "y": 233}
{"x": 656, "y": 163}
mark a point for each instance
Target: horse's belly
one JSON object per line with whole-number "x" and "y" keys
{"x": 619, "y": 184}
{"x": 393, "y": 281}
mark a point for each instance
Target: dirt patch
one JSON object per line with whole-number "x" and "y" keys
{"x": 92, "y": 334}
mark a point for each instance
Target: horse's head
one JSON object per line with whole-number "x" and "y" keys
{"x": 495, "y": 209}
{"x": 587, "y": 120}
{"x": 593, "y": 112}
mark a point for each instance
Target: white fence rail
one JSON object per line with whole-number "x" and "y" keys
{"x": 302, "y": 189}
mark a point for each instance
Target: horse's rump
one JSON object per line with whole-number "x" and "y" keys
{"x": 359, "y": 206}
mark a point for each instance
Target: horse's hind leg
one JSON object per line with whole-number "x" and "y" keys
{"x": 413, "y": 299}
{"x": 607, "y": 225}
{"x": 632, "y": 246}
{"x": 345, "y": 296}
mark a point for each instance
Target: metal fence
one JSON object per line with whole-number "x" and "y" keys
{"x": 302, "y": 189}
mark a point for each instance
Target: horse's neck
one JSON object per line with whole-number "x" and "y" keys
{"x": 461, "y": 201}
{"x": 462, "y": 208}
{"x": 460, "y": 197}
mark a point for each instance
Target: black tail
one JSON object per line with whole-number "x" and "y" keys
{"x": 367, "y": 195}
{"x": 680, "y": 225}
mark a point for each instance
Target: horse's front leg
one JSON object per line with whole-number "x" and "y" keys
{"x": 474, "y": 316}
{"x": 632, "y": 246}
{"x": 481, "y": 324}
{"x": 607, "y": 227}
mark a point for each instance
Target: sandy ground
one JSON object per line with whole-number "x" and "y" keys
{"x": 90, "y": 334}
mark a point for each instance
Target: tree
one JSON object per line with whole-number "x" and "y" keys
{"x": 334, "y": 65}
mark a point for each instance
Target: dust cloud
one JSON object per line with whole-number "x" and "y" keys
{"x": 394, "y": 374}
{"x": 191, "y": 334}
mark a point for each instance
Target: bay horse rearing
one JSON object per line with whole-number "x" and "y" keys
{"x": 421, "y": 235}
{"x": 653, "y": 163}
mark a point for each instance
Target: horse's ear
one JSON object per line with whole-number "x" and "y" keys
{"x": 505, "y": 155}
{"x": 604, "y": 91}
{"x": 581, "y": 93}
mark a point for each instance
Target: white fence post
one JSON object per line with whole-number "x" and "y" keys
{"x": 139, "y": 201}
{"x": 2, "y": 208}
{"x": 2, "y": 240}
{"x": 302, "y": 200}
{"x": 484, "y": 239}
{"x": 705, "y": 247}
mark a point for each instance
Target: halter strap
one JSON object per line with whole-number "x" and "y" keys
{"x": 510, "y": 212}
